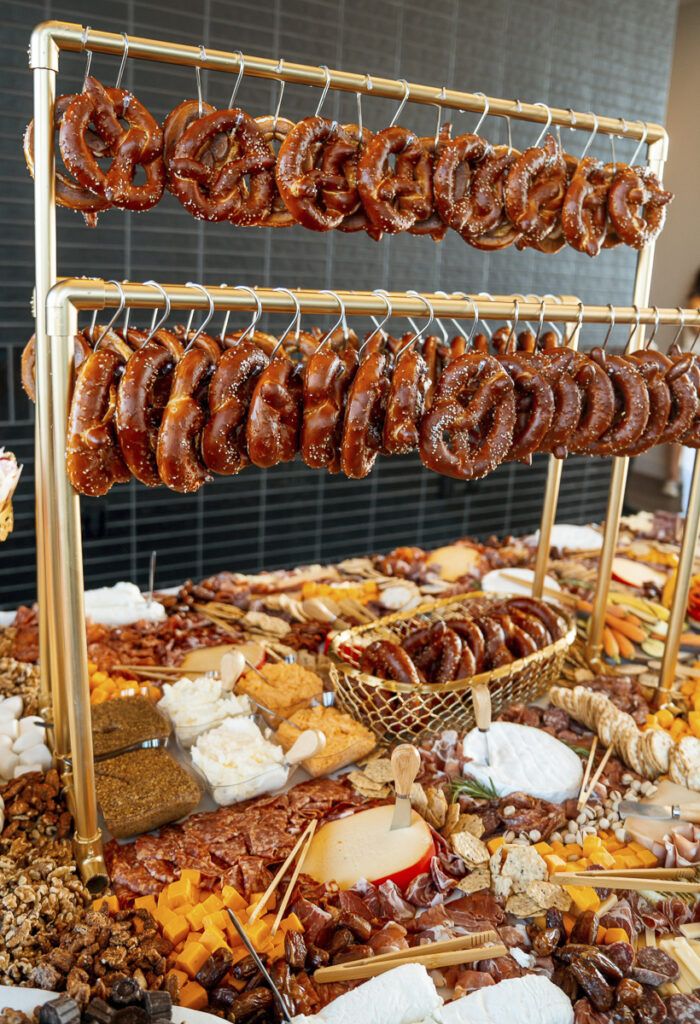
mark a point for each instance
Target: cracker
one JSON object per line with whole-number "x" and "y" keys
{"x": 678, "y": 767}
{"x": 469, "y": 848}
{"x": 523, "y": 906}
{"x": 419, "y": 799}
{"x": 524, "y": 865}
{"x": 452, "y": 820}
{"x": 549, "y": 896}
{"x": 379, "y": 770}
{"x": 436, "y": 811}
{"x": 476, "y": 880}
{"x": 471, "y": 823}
{"x": 502, "y": 887}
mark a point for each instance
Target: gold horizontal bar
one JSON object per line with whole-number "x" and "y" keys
{"x": 51, "y": 36}
{"x": 90, "y": 294}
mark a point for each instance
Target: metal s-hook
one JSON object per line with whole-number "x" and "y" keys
{"x": 88, "y": 59}
{"x": 579, "y": 324}
{"x": 438, "y": 107}
{"x": 282, "y": 84}
{"x": 198, "y": 76}
{"x": 341, "y": 307}
{"x": 125, "y": 54}
{"x": 156, "y": 326}
{"x": 110, "y": 325}
{"x": 592, "y": 135}
{"x": 402, "y": 104}
{"x": 239, "y": 79}
{"x": 681, "y": 328}
{"x": 645, "y": 132}
{"x": 514, "y": 325}
{"x": 207, "y": 318}
{"x": 635, "y": 326}
{"x": 378, "y": 324}
{"x": 418, "y": 332}
{"x": 484, "y": 113}
{"x": 548, "y": 122}
{"x": 611, "y": 310}
{"x": 293, "y": 324}
{"x": 326, "y": 87}
{"x": 256, "y": 315}
{"x": 655, "y": 330}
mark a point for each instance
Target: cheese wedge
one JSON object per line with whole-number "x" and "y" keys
{"x": 362, "y": 845}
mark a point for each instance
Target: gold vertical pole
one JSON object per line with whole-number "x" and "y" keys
{"x": 618, "y": 476}
{"x": 676, "y": 619}
{"x": 52, "y": 690}
{"x": 551, "y": 496}
{"x": 69, "y": 618}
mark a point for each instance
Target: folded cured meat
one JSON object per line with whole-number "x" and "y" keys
{"x": 402, "y": 996}
{"x": 520, "y": 759}
{"x": 532, "y": 999}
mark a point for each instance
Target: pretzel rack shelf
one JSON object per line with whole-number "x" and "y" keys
{"x": 63, "y": 654}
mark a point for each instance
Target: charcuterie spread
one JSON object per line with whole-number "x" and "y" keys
{"x": 485, "y": 898}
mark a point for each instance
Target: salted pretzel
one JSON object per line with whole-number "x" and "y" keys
{"x": 387, "y": 660}
{"x": 597, "y": 402}
{"x": 556, "y": 366}
{"x": 497, "y": 652}
{"x": 266, "y": 342}
{"x": 517, "y": 640}
{"x": 69, "y": 193}
{"x": 328, "y": 376}
{"x": 428, "y": 219}
{"x": 94, "y": 461}
{"x": 453, "y": 178}
{"x": 138, "y": 145}
{"x": 487, "y": 225}
{"x": 553, "y": 623}
{"x": 143, "y": 394}
{"x": 535, "y": 188}
{"x": 659, "y": 401}
{"x": 82, "y": 349}
{"x": 682, "y": 392}
{"x": 526, "y": 342}
{"x": 230, "y": 391}
{"x": 210, "y": 164}
{"x": 691, "y": 438}
{"x": 584, "y": 213}
{"x": 469, "y": 428}
{"x": 631, "y": 406}
{"x": 535, "y": 407}
{"x": 473, "y": 644}
{"x": 393, "y": 199}
{"x": 365, "y": 411}
{"x": 340, "y": 166}
{"x": 405, "y": 403}
{"x": 274, "y": 415}
{"x": 531, "y": 625}
{"x": 176, "y": 124}
{"x": 436, "y": 651}
{"x": 178, "y": 452}
{"x": 637, "y": 203}
{"x": 301, "y": 178}
{"x": 275, "y": 129}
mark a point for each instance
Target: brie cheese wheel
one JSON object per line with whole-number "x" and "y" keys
{"x": 574, "y": 538}
{"x": 121, "y": 605}
{"x": 520, "y": 759}
{"x": 532, "y": 999}
{"x": 402, "y": 996}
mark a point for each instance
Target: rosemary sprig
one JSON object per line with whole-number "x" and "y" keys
{"x": 474, "y": 789}
{"x": 581, "y": 751}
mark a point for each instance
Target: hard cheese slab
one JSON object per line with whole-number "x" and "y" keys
{"x": 667, "y": 793}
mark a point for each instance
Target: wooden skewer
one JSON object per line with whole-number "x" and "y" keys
{"x": 599, "y": 771}
{"x": 260, "y": 906}
{"x": 470, "y": 941}
{"x": 351, "y": 972}
{"x": 602, "y": 881}
{"x": 293, "y": 881}
{"x": 587, "y": 772}
{"x": 560, "y": 595}
{"x": 660, "y": 873}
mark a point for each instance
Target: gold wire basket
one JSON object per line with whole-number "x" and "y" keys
{"x": 403, "y": 711}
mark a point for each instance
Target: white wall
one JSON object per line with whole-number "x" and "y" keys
{"x": 678, "y": 249}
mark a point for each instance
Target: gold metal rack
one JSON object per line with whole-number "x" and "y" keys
{"x": 62, "y": 642}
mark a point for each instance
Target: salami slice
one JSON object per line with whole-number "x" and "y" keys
{"x": 652, "y": 1010}
{"x": 622, "y": 954}
{"x": 646, "y": 976}
{"x": 657, "y": 960}
{"x": 683, "y": 1009}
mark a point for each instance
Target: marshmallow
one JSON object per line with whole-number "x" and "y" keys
{"x": 40, "y": 754}
{"x": 9, "y": 727}
{"x": 29, "y": 738}
{"x": 11, "y": 707}
{"x": 8, "y": 763}
{"x": 25, "y": 724}
{"x": 25, "y": 769}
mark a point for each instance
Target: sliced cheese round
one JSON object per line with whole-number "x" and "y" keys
{"x": 363, "y": 845}
{"x": 520, "y": 759}
{"x": 532, "y": 999}
{"x": 403, "y": 995}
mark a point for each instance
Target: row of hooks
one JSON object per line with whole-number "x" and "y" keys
{"x": 341, "y": 322}
{"x": 573, "y": 126}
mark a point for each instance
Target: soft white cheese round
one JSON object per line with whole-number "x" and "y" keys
{"x": 520, "y": 759}
{"x": 402, "y": 996}
{"x": 532, "y": 999}
{"x": 120, "y": 605}
{"x": 574, "y": 538}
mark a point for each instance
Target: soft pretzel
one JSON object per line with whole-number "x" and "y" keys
{"x": 535, "y": 188}
{"x": 659, "y": 393}
{"x": 328, "y": 376}
{"x": 428, "y": 220}
{"x": 211, "y": 161}
{"x": 69, "y": 193}
{"x": 387, "y": 660}
{"x": 365, "y": 411}
{"x": 393, "y": 199}
{"x": 230, "y": 390}
{"x": 556, "y": 366}
{"x": 276, "y": 129}
{"x": 453, "y": 179}
{"x": 472, "y": 641}
{"x": 597, "y": 402}
{"x": 691, "y": 438}
{"x": 518, "y": 641}
{"x": 405, "y": 403}
{"x": 637, "y": 203}
{"x": 584, "y": 214}
{"x": 534, "y": 406}
{"x": 178, "y": 453}
{"x": 274, "y": 415}
{"x": 531, "y": 625}
{"x": 143, "y": 394}
{"x": 140, "y": 144}
{"x": 300, "y": 175}
{"x": 469, "y": 428}
{"x": 82, "y": 349}
{"x": 684, "y": 396}
{"x": 631, "y": 406}
{"x": 176, "y": 124}
{"x": 436, "y": 652}
{"x": 94, "y": 461}
{"x": 340, "y": 166}
{"x": 497, "y": 652}
{"x": 553, "y": 623}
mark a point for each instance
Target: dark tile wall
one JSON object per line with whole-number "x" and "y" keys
{"x": 613, "y": 58}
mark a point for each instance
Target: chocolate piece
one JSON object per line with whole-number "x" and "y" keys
{"x": 125, "y": 992}
{"x": 99, "y": 1011}
{"x": 63, "y": 1010}
{"x": 158, "y": 1004}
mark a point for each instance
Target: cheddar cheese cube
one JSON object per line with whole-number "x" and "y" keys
{"x": 145, "y": 903}
{"x": 554, "y": 862}
{"x": 193, "y": 875}
{"x": 213, "y": 939}
{"x": 192, "y": 958}
{"x": 219, "y": 919}
{"x": 291, "y": 923}
{"x": 232, "y": 898}
{"x": 257, "y": 932}
{"x": 180, "y": 892}
{"x": 196, "y": 917}
{"x": 647, "y": 858}
{"x": 212, "y": 903}
{"x": 176, "y": 930}
{"x": 591, "y": 844}
{"x": 543, "y": 848}
{"x": 602, "y": 859}
{"x": 584, "y": 897}
{"x": 193, "y": 996}
{"x": 495, "y": 844}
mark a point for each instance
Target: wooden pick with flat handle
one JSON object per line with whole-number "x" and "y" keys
{"x": 405, "y": 762}
{"x": 307, "y": 744}
{"x": 481, "y": 701}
